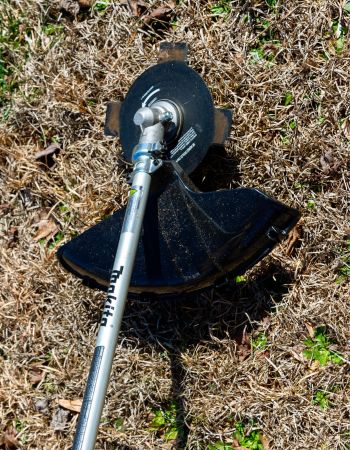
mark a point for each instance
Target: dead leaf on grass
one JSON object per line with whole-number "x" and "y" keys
{"x": 244, "y": 348}
{"x": 265, "y": 442}
{"x": 292, "y": 239}
{"x": 36, "y": 375}
{"x": 5, "y": 207}
{"x": 346, "y": 127}
{"x": 72, "y": 405}
{"x": 297, "y": 352}
{"x": 135, "y": 6}
{"x": 50, "y": 150}
{"x": 8, "y": 439}
{"x": 46, "y": 227}
{"x": 315, "y": 365}
{"x": 310, "y": 329}
{"x": 160, "y": 13}
{"x": 328, "y": 163}
{"x": 236, "y": 446}
{"x": 85, "y": 3}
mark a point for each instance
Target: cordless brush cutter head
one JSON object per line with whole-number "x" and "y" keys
{"x": 173, "y": 238}
{"x": 190, "y": 239}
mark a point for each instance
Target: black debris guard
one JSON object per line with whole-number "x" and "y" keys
{"x": 190, "y": 239}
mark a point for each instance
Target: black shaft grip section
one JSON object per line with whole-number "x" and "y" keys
{"x": 89, "y": 393}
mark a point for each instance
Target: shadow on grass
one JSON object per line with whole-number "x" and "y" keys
{"x": 222, "y": 312}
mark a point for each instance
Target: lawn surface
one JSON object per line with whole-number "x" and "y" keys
{"x": 262, "y": 363}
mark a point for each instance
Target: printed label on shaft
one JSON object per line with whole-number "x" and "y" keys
{"x": 109, "y": 309}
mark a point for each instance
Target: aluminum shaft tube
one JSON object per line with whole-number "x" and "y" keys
{"x": 100, "y": 370}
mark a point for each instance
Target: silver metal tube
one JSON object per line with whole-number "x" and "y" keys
{"x": 97, "y": 383}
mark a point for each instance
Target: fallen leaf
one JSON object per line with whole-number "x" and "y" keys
{"x": 347, "y": 231}
{"x": 135, "y": 6}
{"x": 59, "y": 419}
{"x": 346, "y": 127}
{"x": 13, "y": 237}
{"x": 292, "y": 239}
{"x": 4, "y": 207}
{"x": 238, "y": 58}
{"x": 50, "y": 150}
{"x": 265, "y": 442}
{"x": 36, "y": 375}
{"x": 315, "y": 365}
{"x": 72, "y": 405}
{"x": 328, "y": 163}
{"x": 157, "y": 14}
{"x": 8, "y": 439}
{"x": 46, "y": 227}
{"x": 262, "y": 355}
{"x": 310, "y": 329}
{"x": 85, "y": 3}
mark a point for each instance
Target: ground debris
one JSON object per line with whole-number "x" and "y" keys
{"x": 160, "y": 13}
{"x": 71, "y": 405}
{"x": 46, "y": 228}
{"x": 329, "y": 163}
{"x": 346, "y": 128}
{"x": 292, "y": 239}
{"x": 136, "y": 7}
{"x": 59, "y": 419}
{"x": 50, "y": 150}
{"x": 42, "y": 405}
{"x": 8, "y": 439}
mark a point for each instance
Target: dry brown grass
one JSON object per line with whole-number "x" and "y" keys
{"x": 196, "y": 350}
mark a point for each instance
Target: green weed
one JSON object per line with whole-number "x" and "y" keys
{"x": 222, "y": 7}
{"x": 250, "y": 440}
{"x": 49, "y": 387}
{"x": 288, "y": 98}
{"x": 247, "y": 436}
{"x": 259, "y": 342}
{"x": 344, "y": 269}
{"x": 271, "y": 3}
{"x": 52, "y": 29}
{"x": 56, "y": 240}
{"x": 65, "y": 212}
{"x": 340, "y": 32}
{"x": 118, "y": 423}
{"x": 311, "y": 204}
{"x": 318, "y": 348}
{"x": 219, "y": 445}
{"x": 241, "y": 279}
{"x": 299, "y": 185}
{"x": 321, "y": 399}
{"x": 165, "y": 422}
{"x": 101, "y": 5}
{"x": 292, "y": 124}
{"x": 19, "y": 427}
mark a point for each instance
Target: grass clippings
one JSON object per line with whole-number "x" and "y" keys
{"x": 283, "y": 68}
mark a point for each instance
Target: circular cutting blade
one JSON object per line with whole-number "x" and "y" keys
{"x": 174, "y": 81}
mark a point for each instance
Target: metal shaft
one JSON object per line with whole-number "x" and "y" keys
{"x": 101, "y": 365}
{"x": 145, "y": 163}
